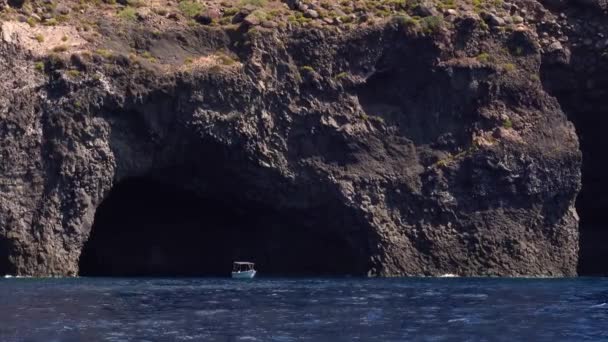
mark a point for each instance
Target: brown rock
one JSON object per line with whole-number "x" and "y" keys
{"x": 62, "y": 9}
{"x": 213, "y": 13}
{"x": 269, "y": 24}
{"x": 311, "y": 14}
{"x": 252, "y": 19}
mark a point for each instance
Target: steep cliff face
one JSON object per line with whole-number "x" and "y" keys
{"x": 391, "y": 148}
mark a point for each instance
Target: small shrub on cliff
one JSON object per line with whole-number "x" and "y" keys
{"x": 39, "y": 38}
{"x": 260, "y": 15}
{"x": 147, "y": 55}
{"x": 484, "y": 57}
{"x": 225, "y": 59}
{"x": 507, "y": 123}
{"x": 73, "y": 73}
{"x": 255, "y": 3}
{"x": 443, "y": 162}
{"x": 104, "y": 53}
{"x": 190, "y": 8}
{"x": 230, "y": 11}
{"x": 299, "y": 18}
{"x": 39, "y": 66}
{"x": 341, "y": 75}
{"x": 60, "y": 48}
{"x": 135, "y": 3}
{"x": 307, "y": 68}
{"x": 50, "y": 22}
{"x": 128, "y": 13}
{"x": 272, "y": 14}
{"x": 405, "y": 20}
{"x": 484, "y": 26}
{"x": 395, "y": 4}
{"x": 509, "y": 67}
{"x": 478, "y": 5}
{"x": 372, "y": 118}
{"x": 431, "y": 24}
{"x": 446, "y": 4}
{"x": 31, "y": 21}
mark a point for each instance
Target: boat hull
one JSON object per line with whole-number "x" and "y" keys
{"x": 244, "y": 274}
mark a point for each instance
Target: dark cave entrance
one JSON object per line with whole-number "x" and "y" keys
{"x": 592, "y": 201}
{"x": 584, "y": 98}
{"x": 5, "y": 265}
{"x": 147, "y": 228}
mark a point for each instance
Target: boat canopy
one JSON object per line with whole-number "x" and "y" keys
{"x": 240, "y": 266}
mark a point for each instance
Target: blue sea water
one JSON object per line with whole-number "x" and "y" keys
{"x": 400, "y": 309}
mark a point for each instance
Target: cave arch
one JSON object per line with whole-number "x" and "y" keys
{"x": 145, "y": 227}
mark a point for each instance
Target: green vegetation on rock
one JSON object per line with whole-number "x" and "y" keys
{"x": 190, "y": 8}
{"x": 128, "y": 13}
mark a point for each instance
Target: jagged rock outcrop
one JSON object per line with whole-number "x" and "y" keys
{"x": 425, "y": 149}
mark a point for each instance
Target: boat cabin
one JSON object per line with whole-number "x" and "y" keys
{"x": 242, "y": 266}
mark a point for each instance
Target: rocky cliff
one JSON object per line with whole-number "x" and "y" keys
{"x": 366, "y": 137}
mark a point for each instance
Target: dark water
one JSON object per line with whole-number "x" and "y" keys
{"x": 444, "y": 309}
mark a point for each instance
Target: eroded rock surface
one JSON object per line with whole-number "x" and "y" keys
{"x": 424, "y": 150}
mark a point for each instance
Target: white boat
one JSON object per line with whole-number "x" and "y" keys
{"x": 243, "y": 270}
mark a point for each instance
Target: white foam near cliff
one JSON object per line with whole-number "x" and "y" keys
{"x": 449, "y": 275}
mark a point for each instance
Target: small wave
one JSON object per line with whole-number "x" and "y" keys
{"x": 282, "y": 290}
{"x": 191, "y": 337}
{"x": 8, "y": 276}
{"x": 210, "y": 312}
{"x": 599, "y": 305}
{"x": 247, "y": 338}
{"x": 376, "y": 296}
{"x": 471, "y": 295}
{"x": 449, "y": 275}
{"x": 458, "y": 320}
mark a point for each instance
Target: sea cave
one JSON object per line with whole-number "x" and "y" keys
{"x": 149, "y": 228}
